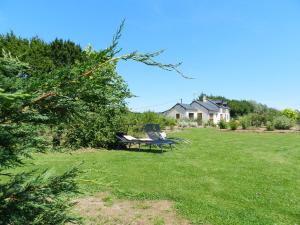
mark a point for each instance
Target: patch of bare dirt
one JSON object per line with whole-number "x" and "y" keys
{"x": 104, "y": 209}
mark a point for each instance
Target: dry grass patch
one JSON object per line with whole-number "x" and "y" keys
{"x": 104, "y": 209}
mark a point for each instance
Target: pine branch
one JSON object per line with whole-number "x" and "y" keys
{"x": 146, "y": 58}
{"x": 115, "y": 42}
{"x": 6, "y": 174}
{"x": 38, "y": 200}
{"x": 44, "y": 96}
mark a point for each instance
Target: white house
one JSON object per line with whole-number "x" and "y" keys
{"x": 213, "y": 110}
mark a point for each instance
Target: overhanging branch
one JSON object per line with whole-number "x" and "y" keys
{"x": 146, "y": 58}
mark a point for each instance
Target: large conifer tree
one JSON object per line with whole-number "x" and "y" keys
{"x": 84, "y": 98}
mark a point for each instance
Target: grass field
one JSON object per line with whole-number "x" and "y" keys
{"x": 221, "y": 178}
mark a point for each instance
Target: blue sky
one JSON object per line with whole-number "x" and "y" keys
{"x": 238, "y": 49}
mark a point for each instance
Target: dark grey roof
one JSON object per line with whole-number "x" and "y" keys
{"x": 187, "y": 106}
{"x": 219, "y": 103}
{"x": 208, "y": 105}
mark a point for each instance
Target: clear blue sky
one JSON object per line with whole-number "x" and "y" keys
{"x": 238, "y": 49}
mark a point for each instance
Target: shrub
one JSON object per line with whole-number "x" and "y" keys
{"x": 271, "y": 114}
{"x": 283, "y": 123}
{"x": 210, "y": 123}
{"x": 258, "y": 119}
{"x": 96, "y": 130}
{"x": 245, "y": 122}
{"x": 222, "y": 124}
{"x": 183, "y": 124}
{"x": 153, "y": 117}
{"x": 291, "y": 114}
{"x": 134, "y": 122}
{"x": 270, "y": 126}
{"x": 233, "y": 124}
{"x": 187, "y": 123}
{"x": 199, "y": 121}
{"x": 193, "y": 124}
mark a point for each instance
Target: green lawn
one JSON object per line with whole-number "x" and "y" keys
{"x": 221, "y": 178}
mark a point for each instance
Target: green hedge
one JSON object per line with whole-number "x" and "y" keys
{"x": 134, "y": 122}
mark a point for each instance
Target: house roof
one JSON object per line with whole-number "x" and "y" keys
{"x": 208, "y": 105}
{"x": 219, "y": 103}
{"x": 186, "y": 106}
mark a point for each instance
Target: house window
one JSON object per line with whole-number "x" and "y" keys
{"x": 211, "y": 116}
{"x": 177, "y": 116}
{"x": 191, "y": 116}
{"x": 199, "y": 116}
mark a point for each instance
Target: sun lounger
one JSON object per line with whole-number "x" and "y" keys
{"x": 155, "y": 131}
{"x": 127, "y": 139}
{"x": 130, "y": 140}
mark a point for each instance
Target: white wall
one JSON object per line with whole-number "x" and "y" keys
{"x": 217, "y": 115}
{"x": 177, "y": 109}
{"x": 191, "y": 111}
{"x": 184, "y": 114}
{"x": 228, "y": 115}
{"x": 201, "y": 109}
{"x": 225, "y": 113}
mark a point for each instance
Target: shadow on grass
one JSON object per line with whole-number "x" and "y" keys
{"x": 143, "y": 149}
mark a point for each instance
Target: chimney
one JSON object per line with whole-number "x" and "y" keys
{"x": 181, "y": 100}
{"x": 204, "y": 98}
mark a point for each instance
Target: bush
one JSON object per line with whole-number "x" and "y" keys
{"x": 187, "y": 123}
{"x": 193, "y": 124}
{"x": 291, "y": 114}
{"x": 245, "y": 122}
{"x": 272, "y": 113}
{"x": 283, "y": 123}
{"x": 257, "y": 119}
{"x": 270, "y": 126}
{"x": 210, "y": 123}
{"x": 199, "y": 121}
{"x": 233, "y": 124}
{"x": 183, "y": 123}
{"x": 222, "y": 124}
{"x": 133, "y": 123}
{"x": 153, "y": 117}
{"x": 96, "y": 130}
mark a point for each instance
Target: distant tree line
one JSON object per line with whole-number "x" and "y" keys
{"x": 240, "y": 107}
{"x": 248, "y": 113}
